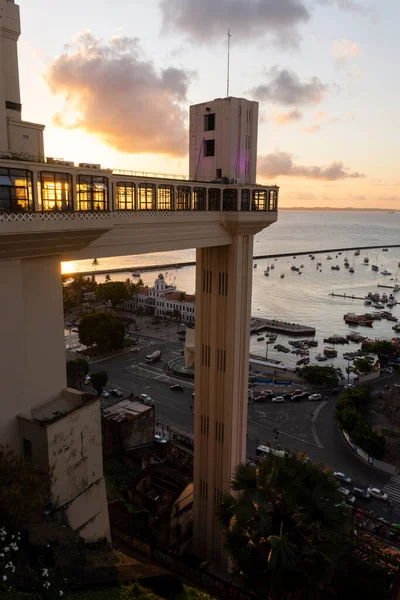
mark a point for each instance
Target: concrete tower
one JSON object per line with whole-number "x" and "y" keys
{"x": 16, "y": 136}
{"x": 223, "y": 141}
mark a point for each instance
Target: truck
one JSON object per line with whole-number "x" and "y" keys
{"x": 150, "y": 358}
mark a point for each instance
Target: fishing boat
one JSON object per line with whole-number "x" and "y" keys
{"x": 366, "y": 260}
{"x": 391, "y": 303}
{"x": 357, "y": 253}
{"x": 351, "y": 270}
{"x": 330, "y": 352}
{"x": 294, "y": 268}
{"x": 321, "y": 357}
{"x": 374, "y": 268}
{"x": 396, "y": 327}
{"x": 384, "y": 297}
{"x": 329, "y": 257}
{"x": 282, "y": 275}
{"x": 367, "y": 301}
{"x": 272, "y": 266}
{"x": 353, "y": 319}
{"x": 260, "y": 339}
{"x": 385, "y": 272}
{"x": 266, "y": 272}
{"x": 396, "y": 288}
{"x": 135, "y": 274}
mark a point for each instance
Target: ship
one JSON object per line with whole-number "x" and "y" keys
{"x": 353, "y": 319}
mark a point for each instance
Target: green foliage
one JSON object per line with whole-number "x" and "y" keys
{"x": 350, "y": 409}
{"x": 74, "y": 289}
{"x": 280, "y": 526}
{"x": 99, "y": 380}
{"x": 24, "y": 489}
{"x": 103, "y": 330}
{"x": 321, "y": 375}
{"x": 364, "y": 365}
{"x": 82, "y": 364}
{"x": 380, "y": 347}
{"x": 114, "y": 292}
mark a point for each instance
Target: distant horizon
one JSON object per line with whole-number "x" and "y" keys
{"x": 338, "y": 209}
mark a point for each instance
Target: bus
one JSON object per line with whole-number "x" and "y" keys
{"x": 265, "y": 450}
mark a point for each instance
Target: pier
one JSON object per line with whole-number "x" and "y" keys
{"x": 281, "y": 327}
{"x": 352, "y": 297}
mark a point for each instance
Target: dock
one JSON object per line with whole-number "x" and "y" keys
{"x": 281, "y": 327}
{"x": 352, "y": 297}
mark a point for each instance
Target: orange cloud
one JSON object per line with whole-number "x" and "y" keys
{"x": 281, "y": 119}
{"x": 281, "y": 164}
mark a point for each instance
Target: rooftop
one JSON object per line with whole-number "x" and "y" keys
{"x": 125, "y": 410}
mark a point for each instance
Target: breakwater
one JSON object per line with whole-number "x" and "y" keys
{"x": 261, "y": 325}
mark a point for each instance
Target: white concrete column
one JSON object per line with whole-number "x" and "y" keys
{"x": 223, "y": 312}
{"x": 31, "y": 339}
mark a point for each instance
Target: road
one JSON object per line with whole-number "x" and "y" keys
{"x": 307, "y": 427}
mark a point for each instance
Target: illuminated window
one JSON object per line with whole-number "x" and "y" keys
{"x": 165, "y": 197}
{"x": 209, "y": 147}
{"x": 147, "y": 196}
{"x": 245, "y": 200}
{"x": 16, "y": 189}
{"x": 209, "y": 122}
{"x": 125, "y": 195}
{"x": 260, "y": 200}
{"x": 229, "y": 201}
{"x": 55, "y": 191}
{"x": 273, "y": 200}
{"x": 214, "y": 199}
{"x": 183, "y": 198}
{"x": 199, "y": 198}
{"x": 92, "y": 192}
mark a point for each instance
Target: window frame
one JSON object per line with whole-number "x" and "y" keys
{"x": 60, "y": 204}
{"x": 95, "y": 199}
{"x": 273, "y": 200}
{"x": 19, "y": 197}
{"x": 209, "y": 144}
{"x": 209, "y": 117}
{"x": 214, "y": 203}
{"x": 183, "y": 197}
{"x": 147, "y": 196}
{"x": 245, "y": 204}
{"x": 163, "y": 201}
{"x": 260, "y": 200}
{"x": 199, "y": 198}
{"x": 123, "y": 199}
{"x": 229, "y": 203}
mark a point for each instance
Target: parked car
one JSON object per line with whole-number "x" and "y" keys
{"x": 177, "y": 387}
{"x": 377, "y": 493}
{"x": 116, "y": 393}
{"x": 135, "y": 349}
{"x": 295, "y": 392}
{"x": 160, "y": 439}
{"x": 299, "y": 397}
{"x": 348, "y": 386}
{"x": 105, "y": 394}
{"x": 260, "y": 398}
{"x": 346, "y": 493}
{"x": 267, "y": 393}
{"x": 146, "y": 399}
{"x": 342, "y": 477}
{"x": 315, "y": 397}
{"x": 278, "y": 399}
{"x": 287, "y": 396}
{"x": 364, "y": 494}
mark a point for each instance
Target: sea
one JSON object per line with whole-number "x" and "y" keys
{"x": 300, "y": 298}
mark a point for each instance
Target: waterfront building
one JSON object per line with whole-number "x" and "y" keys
{"x": 52, "y": 210}
{"x": 164, "y": 300}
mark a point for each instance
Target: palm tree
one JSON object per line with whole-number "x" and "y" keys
{"x": 280, "y": 525}
{"x": 95, "y": 263}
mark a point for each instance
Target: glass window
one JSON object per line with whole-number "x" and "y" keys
{"x": 16, "y": 189}
{"x": 55, "y": 191}
{"x": 260, "y": 200}
{"x": 147, "y": 196}
{"x": 92, "y": 192}
{"x": 209, "y": 147}
{"x": 229, "y": 201}
{"x": 165, "y": 197}
{"x": 199, "y": 198}
{"x": 273, "y": 200}
{"x": 209, "y": 122}
{"x": 214, "y": 199}
{"x": 125, "y": 195}
{"x": 183, "y": 198}
{"x": 245, "y": 200}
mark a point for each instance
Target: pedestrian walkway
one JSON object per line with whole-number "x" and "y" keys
{"x": 392, "y": 489}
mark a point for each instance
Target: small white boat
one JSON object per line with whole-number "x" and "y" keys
{"x": 385, "y": 272}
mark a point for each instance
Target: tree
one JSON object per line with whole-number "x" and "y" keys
{"x": 280, "y": 526}
{"x": 364, "y": 365}
{"x": 76, "y": 286}
{"x": 321, "y": 375}
{"x": 103, "y": 330}
{"x": 99, "y": 380}
{"x": 114, "y": 292}
{"x": 383, "y": 348}
{"x": 95, "y": 263}
{"x": 76, "y": 371}
{"x": 107, "y": 278}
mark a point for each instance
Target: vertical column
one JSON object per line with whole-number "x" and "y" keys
{"x": 31, "y": 340}
{"x": 223, "y": 312}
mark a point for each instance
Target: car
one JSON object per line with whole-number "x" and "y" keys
{"x": 342, "y": 477}
{"x": 105, "y": 394}
{"x": 346, "y": 493}
{"x": 348, "y": 386}
{"x": 260, "y": 398}
{"x": 146, "y": 399}
{"x": 315, "y": 397}
{"x": 268, "y": 393}
{"x": 87, "y": 379}
{"x": 177, "y": 387}
{"x": 287, "y": 396}
{"x": 301, "y": 396}
{"x": 363, "y": 494}
{"x": 278, "y": 399}
{"x": 135, "y": 349}
{"x": 386, "y": 370}
{"x": 295, "y": 392}
{"x": 160, "y": 439}
{"x": 377, "y": 493}
{"x": 116, "y": 393}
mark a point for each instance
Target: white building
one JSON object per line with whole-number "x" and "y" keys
{"x": 164, "y": 300}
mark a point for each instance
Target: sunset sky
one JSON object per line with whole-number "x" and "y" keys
{"x": 112, "y": 81}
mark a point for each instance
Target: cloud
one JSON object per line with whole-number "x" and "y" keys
{"x": 344, "y": 51}
{"x": 114, "y": 92}
{"x": 285, "y": 87}
{"x": 312, "y": 129}
{"x": 248, "y": 19}
{"x": 350, "y": 5}
{"x": 281, "y": 119}
{"x": 281, "y": 164}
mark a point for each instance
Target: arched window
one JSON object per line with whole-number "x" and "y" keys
{"x": 199, "y": 198}
{"x": 229, "y": 201}
{"x": 165, "y": 197}
{"x": 259, "y": 199}
{"x": 245, "y": 200}
{"x": 147, "y": 196}
{"x": 15, "y": 189}
{"x": 183, "y": 198}
{"x": 92, "y": 192}
{"x": 125, "y": 195}
{"x": 214, "y": 199}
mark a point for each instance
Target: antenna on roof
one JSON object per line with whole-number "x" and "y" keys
{"x": 229, "y": 51}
